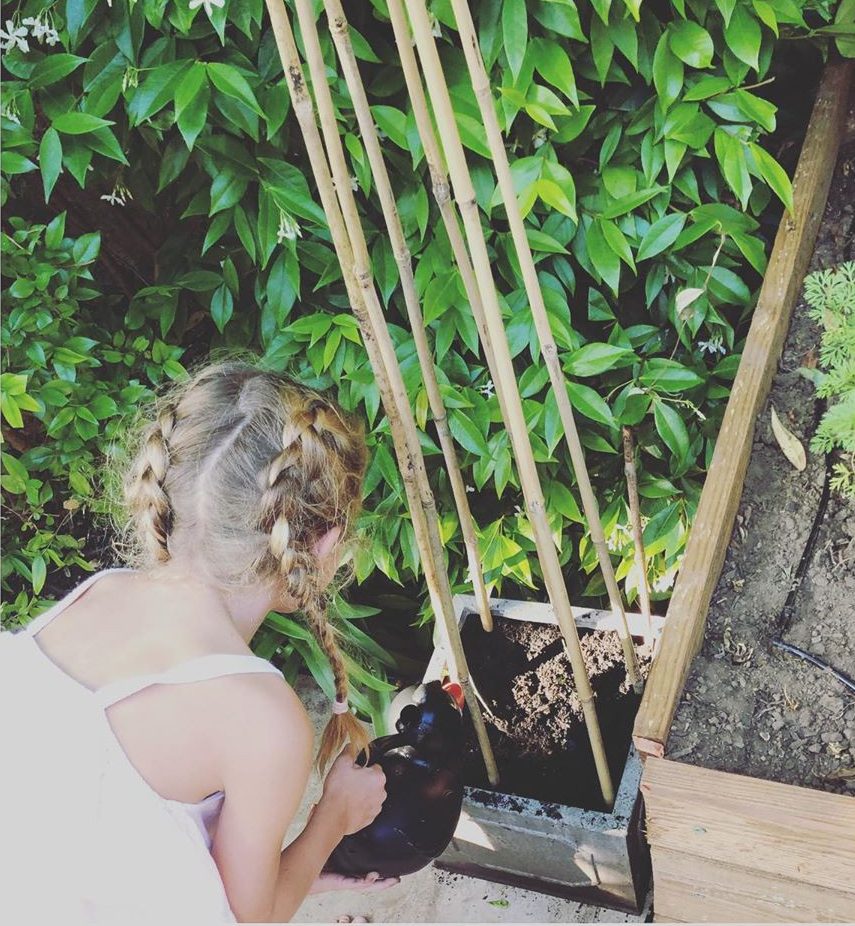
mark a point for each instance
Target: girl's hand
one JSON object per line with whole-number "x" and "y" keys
{"x": 327, "y": 881}
{"x": 354, "y": 793}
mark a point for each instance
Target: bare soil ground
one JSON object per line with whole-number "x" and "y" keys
{"x": 748, "y": 708}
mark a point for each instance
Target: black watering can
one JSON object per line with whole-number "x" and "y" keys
{"x": 424, "y": 789}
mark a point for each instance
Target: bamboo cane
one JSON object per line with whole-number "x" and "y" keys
{"x": 378, "y": 344}
{"x": 439, "y": 180}
{"x": 484, "y": 95}
{"x": 504, "y": 376}
{"x": 341, "y": 37}
{"x": 637, "y": 533}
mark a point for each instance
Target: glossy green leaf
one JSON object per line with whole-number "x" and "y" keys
{"x": 52, "y": 68}
{"x": 667, "y": 73}
{"x": 553, "y": 64}
{"x": 78, "y": 123}
{"x": 671, "y": 429}
{"x": 606, "y": 262}
{"x": 596, "y": 358}
{"x": 743, "y": 36}
{"x": 515, "y": 33}
{"x": 590, "y": 403}
{"x": 50, "y": 159}
{"x": 730, "y": 153}
{"x": 664, "y": 375}
{"x": 775, "y": 175}
{"x": 691, "y": 43}
{"x": 222, "y": 306}
{"x": 661, "y": 235}
{"x": 230, "y": 81}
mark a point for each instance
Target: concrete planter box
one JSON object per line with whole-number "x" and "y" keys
{"x": 585, "y": 855}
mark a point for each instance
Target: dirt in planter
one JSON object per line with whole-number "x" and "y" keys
{"x": 535, "y": 722}
{"x": 748, "y": 708}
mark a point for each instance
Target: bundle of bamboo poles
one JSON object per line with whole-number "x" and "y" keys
{"x": 349, "y": 240}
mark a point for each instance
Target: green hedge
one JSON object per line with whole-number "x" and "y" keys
{"x": 636, "y": 132}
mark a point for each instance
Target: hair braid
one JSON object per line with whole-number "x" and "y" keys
{"x": 298, "y": 567}
{"x": 148, "y": 501}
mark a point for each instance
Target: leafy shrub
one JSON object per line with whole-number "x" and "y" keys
{"x": 831, "y": 295}
{"x": 637, "y": 143}
{"x": 71, "y": 374}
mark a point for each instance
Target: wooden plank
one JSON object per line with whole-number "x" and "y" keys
{"x": 763, "y": 826}
{"x": 713, "y": 522}
{"x": 699, "y": 890}
{"x": 539, "y": 612}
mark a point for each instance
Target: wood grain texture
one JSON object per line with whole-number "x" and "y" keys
{"x": 698, "y": 890}
{"x": 713, "y": 522}
{"x": 762, "y": 827}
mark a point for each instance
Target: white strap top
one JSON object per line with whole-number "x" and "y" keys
{"x": 77, "y": 813}
{"x": 198, "y": 669}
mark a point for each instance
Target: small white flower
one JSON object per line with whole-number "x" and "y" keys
{"x": 518, "y": 510}
{"x": 435, "y": 27}
{"x": 539, "y": 137}
{"x": 120, "y": 195}
{"x": 42, "y": 31}
{"x": 488, "y": 389}
{"x": 713, "y": 346}
{"x": 288, "y": 228}
{"x": 354, "y": 183}
{"x": 208, "y": 4}
{"x": 14, "y": 36}
{"x": 470, "y": 488}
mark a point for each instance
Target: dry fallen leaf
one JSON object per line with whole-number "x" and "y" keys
{"x": 788, "y": 442}
{"x": 841, "y": 774}
{"x": 686, "y": 297}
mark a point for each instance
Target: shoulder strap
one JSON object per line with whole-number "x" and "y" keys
{"x": 40, "y": 622}
{"x": 199, "y": 669}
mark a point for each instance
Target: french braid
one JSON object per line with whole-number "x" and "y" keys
{"x": 147, "y": 498}
{"x": 304, "y": 449}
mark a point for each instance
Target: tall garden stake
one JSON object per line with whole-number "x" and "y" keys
{"x": 439, "y": 182}
{"x": 341, "y": 36}
{"x": 504, "y": 377}
{"x": 637, "y": 533}
{"x": 484, "y": 95}
{"x": 381, "y": 352}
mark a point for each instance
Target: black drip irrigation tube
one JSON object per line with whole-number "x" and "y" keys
{"x": 785, "y": 617}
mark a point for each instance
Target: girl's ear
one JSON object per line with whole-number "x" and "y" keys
{"x": 324, "y": 546}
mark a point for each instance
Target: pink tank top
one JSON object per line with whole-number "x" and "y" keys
{"x": 83, "y": 837}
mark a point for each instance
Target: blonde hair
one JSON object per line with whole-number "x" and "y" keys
{"x": 244, "y": 471}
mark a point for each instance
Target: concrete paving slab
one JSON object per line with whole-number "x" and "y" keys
{"x": 432, "y": 895}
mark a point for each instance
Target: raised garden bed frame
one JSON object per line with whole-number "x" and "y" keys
{"x": 585, "y": 855}
{"x": 726, "y": 847}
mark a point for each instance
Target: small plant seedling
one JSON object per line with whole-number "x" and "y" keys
{"x": 831, "y": 296}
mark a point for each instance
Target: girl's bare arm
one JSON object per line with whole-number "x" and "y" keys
{"x": 267, "y": 771}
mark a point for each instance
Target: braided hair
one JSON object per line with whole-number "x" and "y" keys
{"x": 243, "y": 471}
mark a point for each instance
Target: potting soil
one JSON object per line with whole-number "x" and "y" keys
{"x": 535, "y": 720}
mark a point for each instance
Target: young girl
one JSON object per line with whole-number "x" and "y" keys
{"x": 151, "y": 764}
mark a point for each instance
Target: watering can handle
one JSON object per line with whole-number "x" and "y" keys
{"x": 379, "y": 747}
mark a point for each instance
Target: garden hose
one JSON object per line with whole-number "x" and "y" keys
{"x": 785, "y": 616}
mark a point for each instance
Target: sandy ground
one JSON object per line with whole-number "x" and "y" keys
{"x": 434, "y": 896}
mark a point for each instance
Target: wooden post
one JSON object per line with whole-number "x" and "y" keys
{"x": 341, "y": 37}
{"x": 504, "y": 378}
{"x": 708, "y": 541}
{"x": 349, "y": 243}
{"x": 484, "y": 95}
